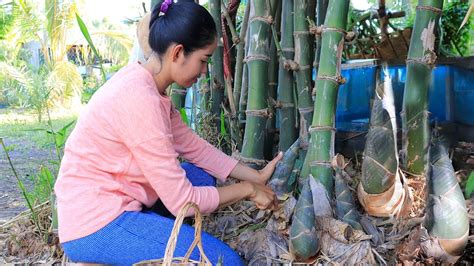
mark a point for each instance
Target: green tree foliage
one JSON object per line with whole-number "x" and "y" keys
{"x": 455, "y": 40}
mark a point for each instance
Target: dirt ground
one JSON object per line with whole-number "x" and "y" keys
{"x": 26, "y": 158}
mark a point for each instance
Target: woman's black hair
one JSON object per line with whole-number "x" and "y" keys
{"x": 185, "y": 23}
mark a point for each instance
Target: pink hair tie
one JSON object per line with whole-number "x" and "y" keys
{"x": 165, "y": 5}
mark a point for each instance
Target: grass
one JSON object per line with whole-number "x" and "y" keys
{"x": 23, "y": 127}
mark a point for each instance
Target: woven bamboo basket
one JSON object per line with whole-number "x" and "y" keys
{"x": 171, "y": 245}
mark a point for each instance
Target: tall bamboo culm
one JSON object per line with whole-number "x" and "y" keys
{"x": 321, "y": 7}
{"x": 239, "y": 66}
{"x": 217, "y": 66}
{"x": 273, "y": 79}
{"x": 420, "y": 62}
{"x": 286, "y": 101}
{"x": 303, "y": 73}
{"x": 322, "y": 130}
{"x": 258, "y": 61}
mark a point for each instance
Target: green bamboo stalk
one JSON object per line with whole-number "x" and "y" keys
{"x": 310, "y": 17}
{"x": 217, "y": 66}
{"x": 446, "y": 218}
{"x": 240, "y": 57}
{"x": 258, "y": 61}
{"x": 421, "y": 58}
{"x": 272, "y": 81}
{"x": 285, "y": 90}
{"x": 245, "y": 80}
{"x": 303, "y": 74}
{"x": 178, "y": 96}
{"x": 321, "y": 149}
{"x": 321, "y": 7}
{"x": 244, "y": 94}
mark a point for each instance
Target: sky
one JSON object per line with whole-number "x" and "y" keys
{"x": 114, "y": 10}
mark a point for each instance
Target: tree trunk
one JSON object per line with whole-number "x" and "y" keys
{"x": 286, "y": 101}
{"x": 258, "y": 62}
{"x": 421, "y": 59}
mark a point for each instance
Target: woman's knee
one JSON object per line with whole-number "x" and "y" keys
{"x": 197, "y": 176}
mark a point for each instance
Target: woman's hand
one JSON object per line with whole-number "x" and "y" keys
{"x": 263, "y": 197}
{"x": 267, "y": 171}
{"x": 245, "y": 173}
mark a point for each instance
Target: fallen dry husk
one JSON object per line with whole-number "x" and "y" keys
{"x": 21, "y": 241}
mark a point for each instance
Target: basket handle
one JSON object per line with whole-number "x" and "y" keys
{"x": 171, "y": 245}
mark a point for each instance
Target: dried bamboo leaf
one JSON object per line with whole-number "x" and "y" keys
{"x": 344, "y": 245}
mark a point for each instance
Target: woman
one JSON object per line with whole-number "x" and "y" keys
{"x": 120, "y": 162}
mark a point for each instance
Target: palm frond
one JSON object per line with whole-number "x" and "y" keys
{"x": 114, "y": 45}
{"x": 26, "y": 23}
{"x": 59, "y": 17}
{"x": 65, "y": 84}
{"x": 12, "y": 73}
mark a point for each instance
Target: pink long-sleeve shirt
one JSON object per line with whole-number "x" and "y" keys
{"x": 122, "y": 155}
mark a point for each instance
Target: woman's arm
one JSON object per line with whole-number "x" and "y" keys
{"x": 245, "y": 173}
{"x": 261, "y": 195}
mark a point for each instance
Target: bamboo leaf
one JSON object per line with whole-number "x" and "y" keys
{"x": 223, "y": 130}
{"x": 468, "y": 15}
{"x": 88, "y": 38}
{"x": 184, "y": 116}
{"x": 469, "y": 186}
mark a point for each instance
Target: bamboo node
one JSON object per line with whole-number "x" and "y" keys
{"x": 321, "y": 128}
{"x": 428, "y": 59}
{"x": 265, "y": 19}
{"x": 297, "y": 33}
{"x": 320, "y": 163}
{"x": 316, "y": 30}
{"x": 236, "y": 155}
{"x": 260, "y": 112}
{"x": 257, "y": 57}
{"x": 430, "y": 8}
{"x": 322, "y": 29}
{"x": 336, "y": 79}
{"x": 290, "y": 65}
{"x": 305, "y": 67}
{"x": 281, "y": 105}
{"x": 179, "y": 91}
{"x": 305, "y": 110}
{"x": 288, "y": 50}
